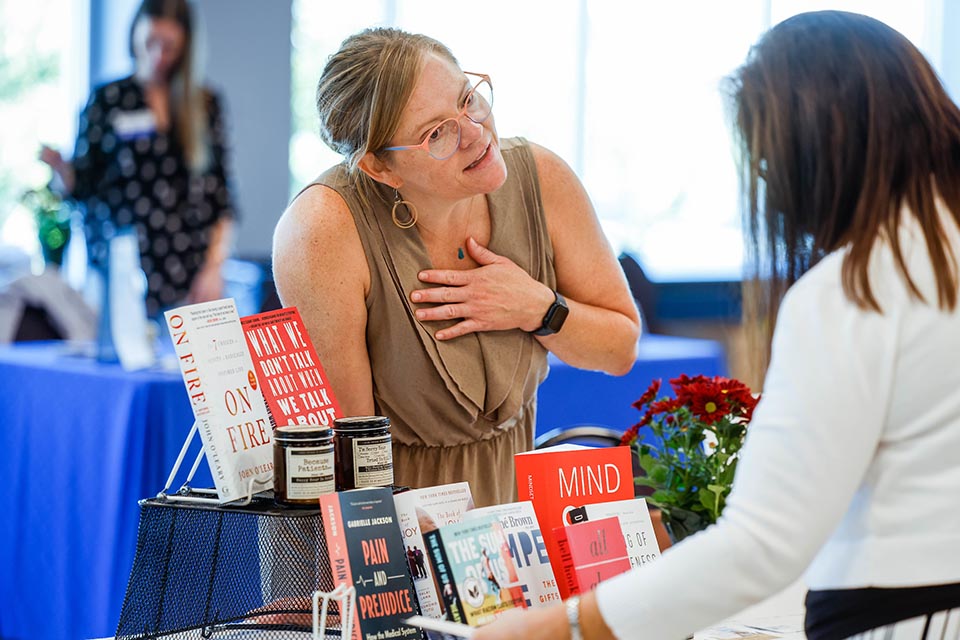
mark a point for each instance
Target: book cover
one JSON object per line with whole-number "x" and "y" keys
{"x": 293, "y": 381}
{"x": 527, "y": 549}
{"x": 365, "y": 550}
{"x": 591, "y": 551}
{"x": 420, "y": 511}
{"x": 226, "y": 399}
{"x": 635, "y": 523}
{"x": 559, "y": 479}
{"x": 471, "y": 560}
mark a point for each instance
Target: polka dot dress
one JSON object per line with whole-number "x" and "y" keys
{"x": 129, "y": 174}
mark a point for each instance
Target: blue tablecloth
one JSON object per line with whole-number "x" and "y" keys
{"x": 82, "y": 442}
{"x": 572, "y": 396}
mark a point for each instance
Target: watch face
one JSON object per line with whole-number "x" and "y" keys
{"x": 558, "y": 317}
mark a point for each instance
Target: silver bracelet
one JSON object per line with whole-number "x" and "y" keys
{"x": 573, "y": 617}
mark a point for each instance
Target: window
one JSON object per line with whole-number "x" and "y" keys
{"x": 42, "y": 81}
{"x": 627, "y": 93}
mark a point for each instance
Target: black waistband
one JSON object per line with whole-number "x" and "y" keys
{"x": 841, "y": 613}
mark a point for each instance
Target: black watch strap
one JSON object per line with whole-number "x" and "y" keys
{"x": 555, "y": 317}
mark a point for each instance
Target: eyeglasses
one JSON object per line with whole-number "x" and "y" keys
{"x": 443, "y": 140}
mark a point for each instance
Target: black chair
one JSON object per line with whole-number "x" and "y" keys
{"x": 585, "y": 434}
{"x": 644, "y": 293}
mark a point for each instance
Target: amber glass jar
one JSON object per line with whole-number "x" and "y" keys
{"x": 303, "y": 464}
{"x": 364, "y": 457}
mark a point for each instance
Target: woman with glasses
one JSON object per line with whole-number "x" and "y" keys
{"x": 851, "y": 469}
{"x": 438, "y": 263}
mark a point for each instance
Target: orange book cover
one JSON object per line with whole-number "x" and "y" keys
{"x": 559, "y": 479}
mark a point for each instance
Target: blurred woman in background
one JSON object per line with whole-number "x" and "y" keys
{"x": 150, "y": 154}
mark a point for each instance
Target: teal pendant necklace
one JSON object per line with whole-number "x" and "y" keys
{"x": 459, "y": 253}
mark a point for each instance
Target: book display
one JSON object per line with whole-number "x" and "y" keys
{"x": 378, "y": 555}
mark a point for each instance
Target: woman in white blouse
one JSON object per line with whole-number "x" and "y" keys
{"x": 851, "y": 469}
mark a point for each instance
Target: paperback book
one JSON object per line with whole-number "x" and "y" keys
{"x": 293, "y": 381}
{"x": 590, "y": 552}
{"x": 225, "y": 396}
{"x": 366, "y": 551}
{"x": 635, "y": 524}
{"x": 420, "y": 511}
{"x": 527, "y": 550}
{"x": 471, "y": 560}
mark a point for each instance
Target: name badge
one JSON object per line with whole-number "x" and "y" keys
{"x": 134, "y": 124}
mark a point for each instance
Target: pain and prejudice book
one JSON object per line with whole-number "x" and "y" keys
{"x": 366, "y": 551}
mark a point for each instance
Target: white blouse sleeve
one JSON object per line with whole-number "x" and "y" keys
{"x": 811, "y": 441}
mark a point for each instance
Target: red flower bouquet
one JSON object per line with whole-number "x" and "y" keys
{"x": 691, "y": 458}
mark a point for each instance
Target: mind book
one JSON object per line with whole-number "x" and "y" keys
{"x": 293, "y": 381}
{"x": 559, "y": 479}
{"x": 225, "y": 396}
{"x": 366, "y": 551}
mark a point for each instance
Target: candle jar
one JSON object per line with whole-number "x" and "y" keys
{"x": 303, "y": 464}
{"x": 364, "y": 456}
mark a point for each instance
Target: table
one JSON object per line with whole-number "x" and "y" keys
{"x": 571, "y": 396}
{"x": 82, "y": 442}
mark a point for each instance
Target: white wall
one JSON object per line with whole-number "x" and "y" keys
{"x": 248, "y": 61}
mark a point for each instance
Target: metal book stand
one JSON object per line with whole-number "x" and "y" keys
{"x": 239, "y": 570}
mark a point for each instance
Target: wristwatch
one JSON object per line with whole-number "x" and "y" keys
{"x": 573, "y": 617}
{"x": 555, "y": 317}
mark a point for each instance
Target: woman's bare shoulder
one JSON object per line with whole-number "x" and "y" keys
{"x": 317, "y": 235}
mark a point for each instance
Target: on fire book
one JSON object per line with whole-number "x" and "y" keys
{"x": 559, "y": 479}
{"x": 366, "y": 551}
{"x": 293, "y": 381}
{"x": 226, "y": 399}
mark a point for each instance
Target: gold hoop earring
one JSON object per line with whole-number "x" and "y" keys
{"x": 411, "y": 209}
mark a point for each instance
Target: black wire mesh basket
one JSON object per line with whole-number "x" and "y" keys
{"x": 221, "y": 571}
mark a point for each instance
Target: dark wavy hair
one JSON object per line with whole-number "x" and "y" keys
{"x": 843, "y": 127}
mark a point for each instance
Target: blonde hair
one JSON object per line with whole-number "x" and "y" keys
{"x": 363, "y": 90}
{"x": 188, "y": 99}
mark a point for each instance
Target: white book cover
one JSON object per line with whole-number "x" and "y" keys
{"x": 420, "y": 511}
{"x": 635, "y": 522}
{"x": 227, "y": 402}
{"x": 519, "y": 522}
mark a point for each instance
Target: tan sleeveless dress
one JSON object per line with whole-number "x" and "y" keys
{"x": 461, "y": 408}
